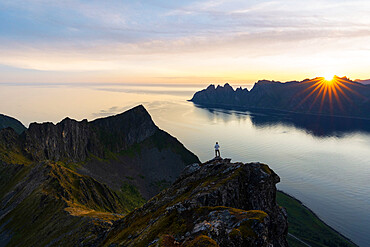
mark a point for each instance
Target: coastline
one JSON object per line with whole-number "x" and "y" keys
{"x": 245, "y": 108}
{"x": 314, "y": 215}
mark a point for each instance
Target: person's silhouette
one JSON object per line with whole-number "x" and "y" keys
{"x": 217, "y": 150}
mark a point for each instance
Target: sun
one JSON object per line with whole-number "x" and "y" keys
{"x": 329, "y": 76}
{"x": 328, "y": 90}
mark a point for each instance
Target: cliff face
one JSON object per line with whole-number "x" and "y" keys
{"x": 73, "y": 140}
{"x": 341, "y": 97}
{"x": 68, "y": 139}
{"x": 123, "y": 130}
{"x": 216, "y": 203}
{"x": 127, "y": 148}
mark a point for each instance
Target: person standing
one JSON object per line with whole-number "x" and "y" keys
{"x": 217, "y": 150}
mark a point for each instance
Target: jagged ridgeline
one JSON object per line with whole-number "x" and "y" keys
{"x": 65, "y": 182}
{"x": 339, "y": 97}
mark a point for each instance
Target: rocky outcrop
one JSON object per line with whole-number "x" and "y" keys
{"x": 219, "y": 202}
{"x": 340, "y": 97}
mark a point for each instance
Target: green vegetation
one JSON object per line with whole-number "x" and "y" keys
{"x": 35, "y": 210}
{"x": 246, "y": 227}
{"x": 130, "y": 197}
{"x": 13, "y": 155}
{"x": 10, "y": 176}
{"x": 47, "y": 219}
{"x": 70, "y": 165}
{"x": 266, "y": 169}
{"x": 203, "y": 241}
{"x": 84, "y": 192}
{"x": 306, "y": 226}
{"x": 49, "y": 209}
{"x": 165, "y": 225}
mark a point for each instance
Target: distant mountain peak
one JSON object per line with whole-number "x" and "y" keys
{"x": 364, "y": 82}
{"x": 6, "y": 122}
{"x": 337, "y": 97}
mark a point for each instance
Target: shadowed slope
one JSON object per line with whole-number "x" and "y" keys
{"x": 6, "y": 122}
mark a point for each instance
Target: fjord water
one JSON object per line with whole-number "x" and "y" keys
{"x": 325, "y": 163}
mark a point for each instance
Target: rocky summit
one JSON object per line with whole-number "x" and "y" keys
{"x": 217, "y": 203}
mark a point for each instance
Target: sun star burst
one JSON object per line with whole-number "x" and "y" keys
{"x": 327, "y": 90}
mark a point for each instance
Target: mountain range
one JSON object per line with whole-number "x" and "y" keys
{"x": 363, "y": 81}
{"x": 81, "y": 183}
{"x": 338, "y": 97}
{"x": 122, "y": 181}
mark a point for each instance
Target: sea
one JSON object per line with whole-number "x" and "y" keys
{"x": 323, "y": 162}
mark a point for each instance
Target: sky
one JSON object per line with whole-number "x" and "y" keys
{"x": 194, "y": 42}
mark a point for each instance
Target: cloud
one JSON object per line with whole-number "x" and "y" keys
{"x": 160, "y": 37}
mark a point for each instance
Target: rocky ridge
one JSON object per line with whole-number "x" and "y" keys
{"x": 217, "y": 203}
{"x": 117, "y": 150}
{"x": 342, "y": 97}
{"x": 75, "y": 140}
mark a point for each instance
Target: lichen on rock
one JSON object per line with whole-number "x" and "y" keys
{"x": 217, "y": 203}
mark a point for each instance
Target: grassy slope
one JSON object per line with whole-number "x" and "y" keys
{"x": 48, "y": 213}
{"x": 307, "y": 226}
